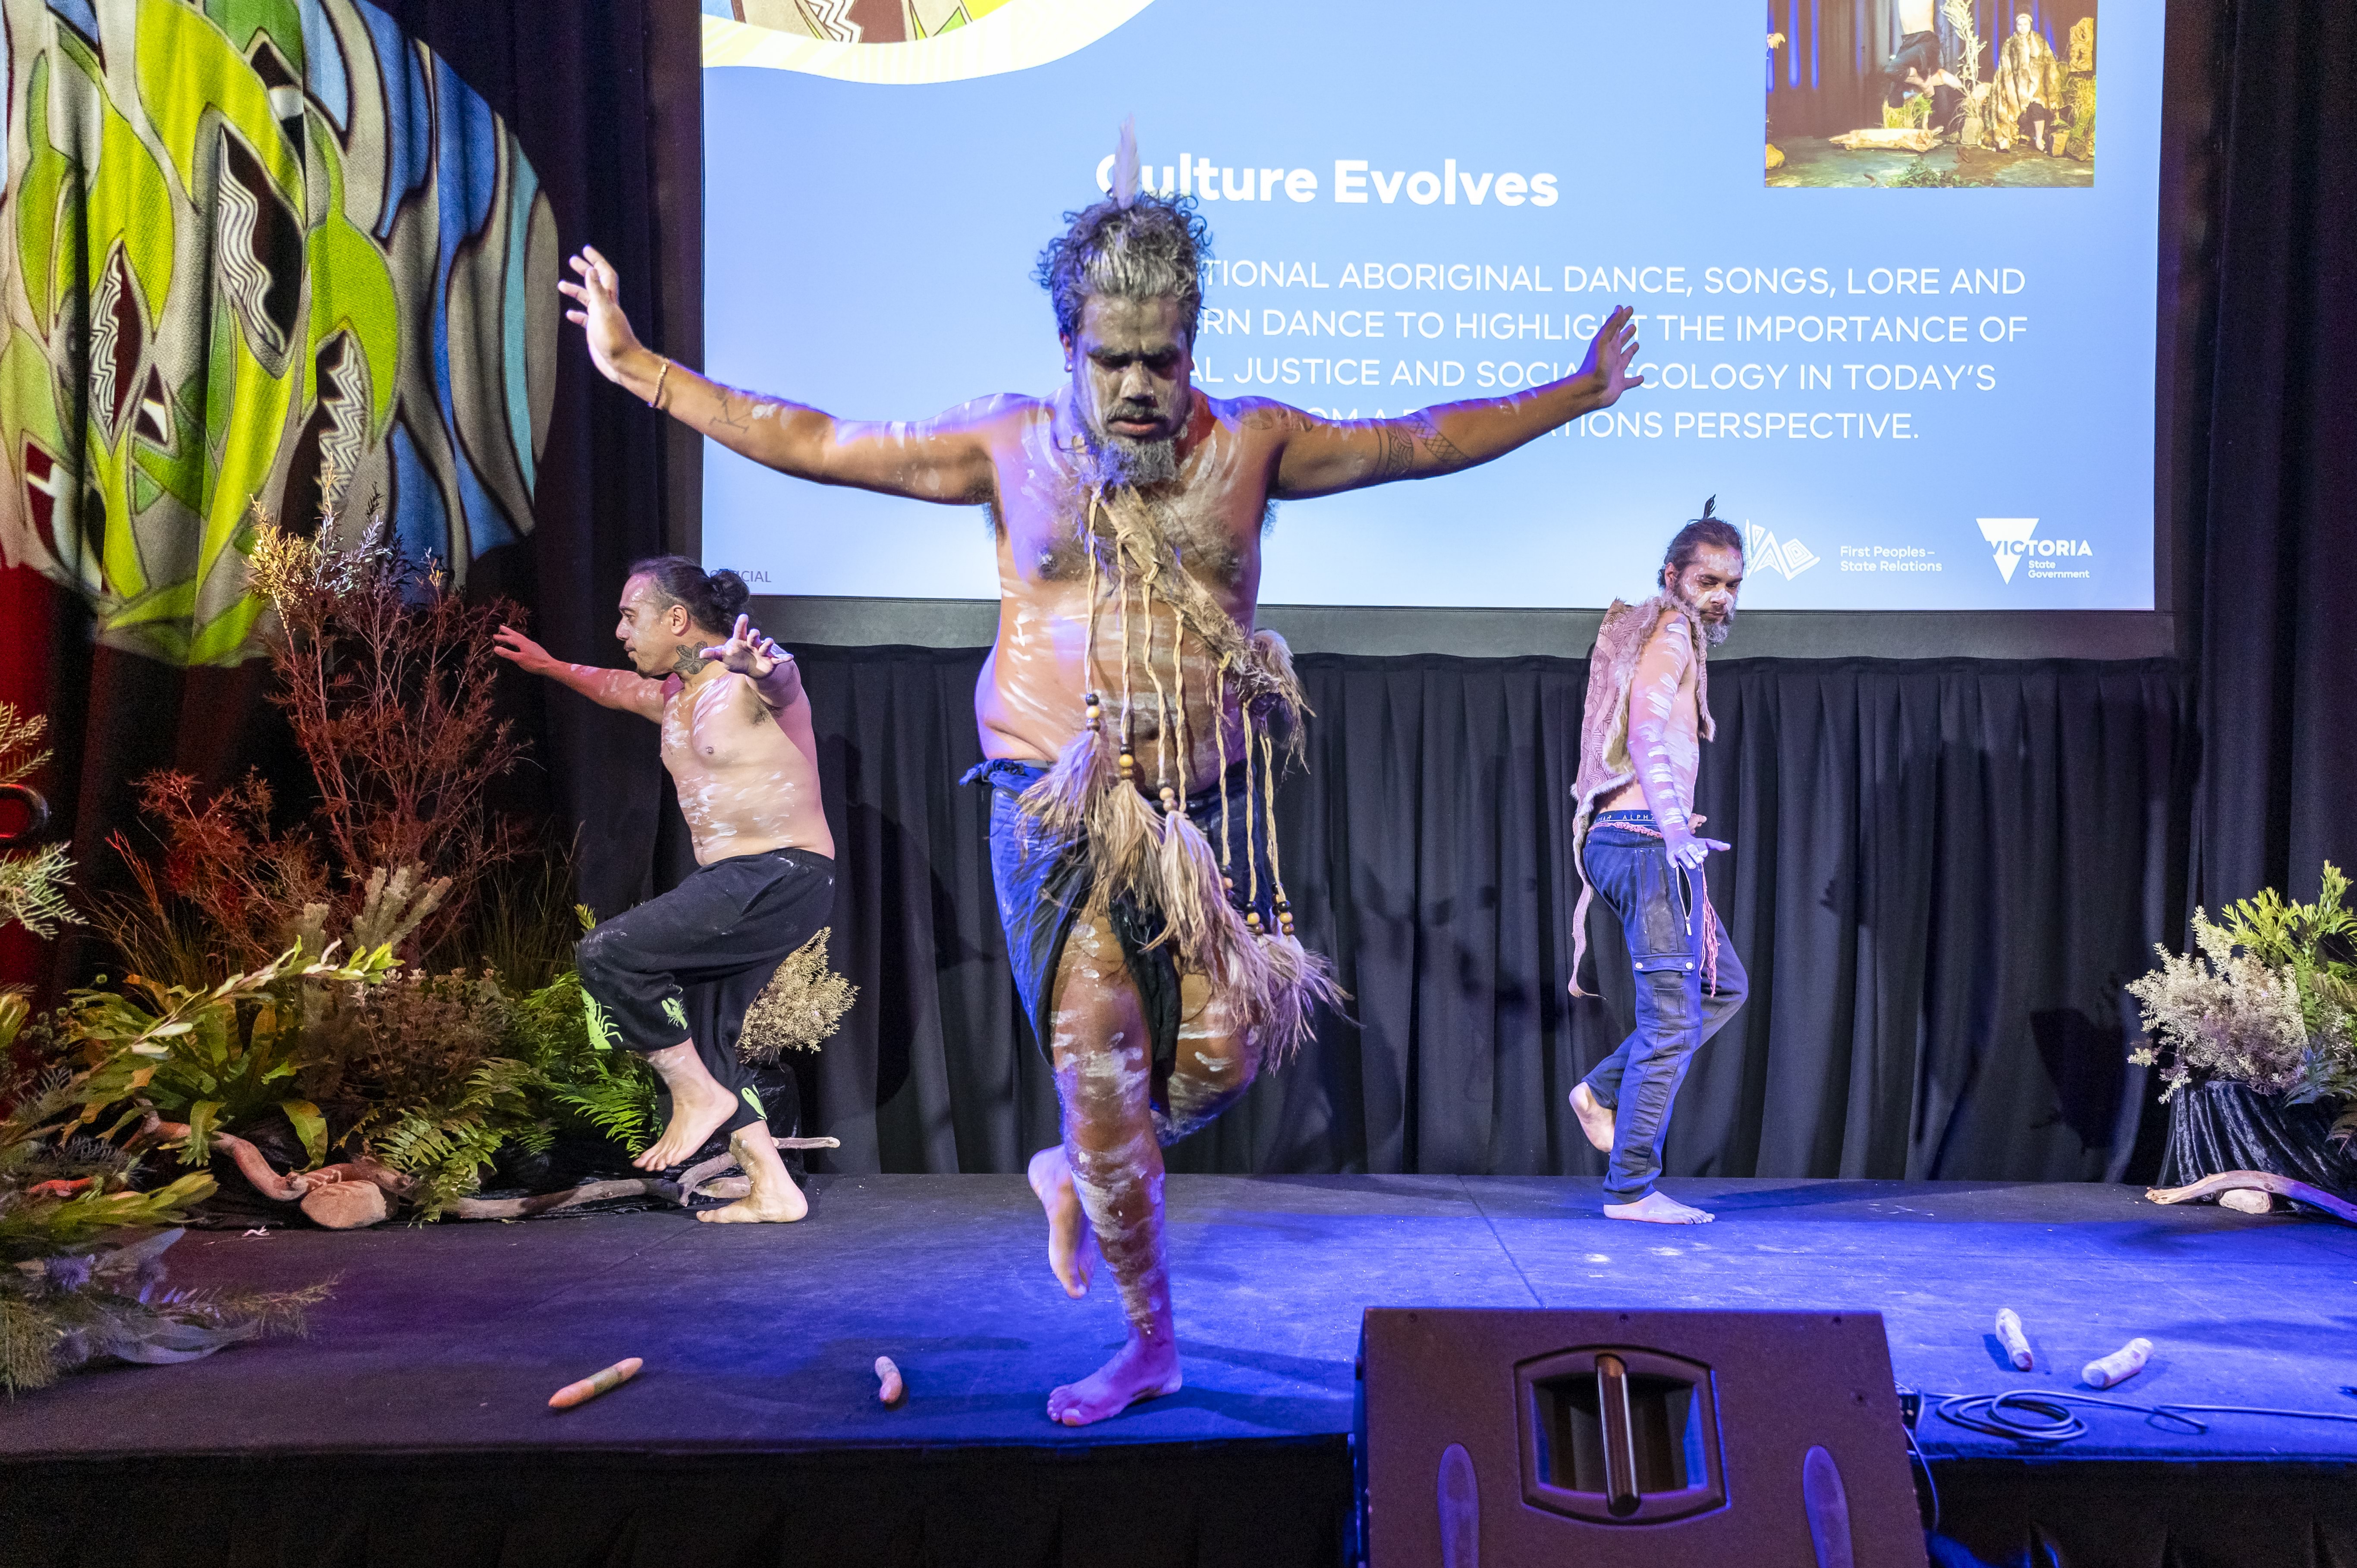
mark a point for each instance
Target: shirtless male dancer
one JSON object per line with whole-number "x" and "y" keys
{"x": 736, "y": 738}
{"x": 1127, "y": 706}
{"x": 1633, "y": 841}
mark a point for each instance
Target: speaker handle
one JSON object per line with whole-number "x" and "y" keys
{"x": 1619, "y": 1435}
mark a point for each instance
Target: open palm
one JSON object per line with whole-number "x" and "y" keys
{"x": 598, "y": 297}
{"x": 1609, "y": 354}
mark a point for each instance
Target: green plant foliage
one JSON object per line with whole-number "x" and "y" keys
{"x": 1920, "y": 175}
{"x": 447, "y": 1145}
{"x": 81, "y": 1248}
{"x": 212, "y": 1058}
{"x": 2268, "y": 998}
{"x": 33, "y": 890}
{"x": 589, "y": 1085}
{"x": 32, "y": 887}
{"x": 523, "y": 928}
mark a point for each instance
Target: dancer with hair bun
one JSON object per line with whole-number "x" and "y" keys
{"x": 1633, "y": 840}
{"x": 738, "y": 740}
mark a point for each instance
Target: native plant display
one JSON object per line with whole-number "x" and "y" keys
{"x": 2266, "y": 998}
{"x": 385, "y": 675}
{"x": 82, "y": 1244}
{"x": 81, "y": 1252}
{"x": 456, "y": 1032}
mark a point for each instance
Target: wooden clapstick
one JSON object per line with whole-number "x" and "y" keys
{"x": 2017, "y": 1344}
{"x": 589, "y": 1388}
{"x": 2119, "y": 1366}
{"x": 890, "y": 1388}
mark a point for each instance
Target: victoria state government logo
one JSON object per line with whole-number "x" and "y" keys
{"x": 2015, "y": 537}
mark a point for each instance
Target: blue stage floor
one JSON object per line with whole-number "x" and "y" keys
{"x": 450, "y": 1339}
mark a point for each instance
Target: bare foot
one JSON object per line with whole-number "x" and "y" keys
{"x": 1072, "y": 1243}
{"x": 1660, "y": 1209}
{"x": 1135, "y": 1373}
{"x": 1595, "y": 1117}
{"x": 697, "y": 1110}
{"x": 774, "y": 1197}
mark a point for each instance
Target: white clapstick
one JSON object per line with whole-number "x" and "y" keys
{"x": 2016, "y": 1343}
{"x": 2119, "y": 1366}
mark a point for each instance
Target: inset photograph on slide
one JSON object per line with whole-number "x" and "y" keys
{"x": 1931, "y": 95}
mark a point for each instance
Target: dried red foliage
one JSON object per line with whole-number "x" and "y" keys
{"x": 385, "y": 675}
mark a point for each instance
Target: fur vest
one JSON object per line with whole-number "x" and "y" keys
{"x": 1604, "y": 763}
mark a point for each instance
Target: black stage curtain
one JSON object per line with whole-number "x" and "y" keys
{"x": 1942, "y": 872}
{"x": 2277, "y": 542}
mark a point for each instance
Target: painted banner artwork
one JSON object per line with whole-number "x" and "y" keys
{"x": 249, "y": 248}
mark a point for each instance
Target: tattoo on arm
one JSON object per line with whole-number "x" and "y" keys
{"x": 1443, "y": 454}
{"x": 737, "y": 412}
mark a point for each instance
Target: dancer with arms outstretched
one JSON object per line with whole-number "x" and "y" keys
{"x": 1128, "y": 709}
{"x": 736, "y": 739}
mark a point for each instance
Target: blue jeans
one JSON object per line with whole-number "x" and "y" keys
{"x": 1675, "y": 1011}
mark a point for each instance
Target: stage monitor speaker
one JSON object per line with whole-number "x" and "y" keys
{"x": 1616, "y": 1439}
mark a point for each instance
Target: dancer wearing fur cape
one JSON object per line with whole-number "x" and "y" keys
{"x": 1133, "y": 717}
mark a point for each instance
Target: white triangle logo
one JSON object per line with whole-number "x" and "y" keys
{"x": 2010, "y": 535}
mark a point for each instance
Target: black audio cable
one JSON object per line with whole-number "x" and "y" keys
{"x": 2042, "y": 1418}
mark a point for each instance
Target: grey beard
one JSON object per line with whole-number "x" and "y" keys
{"x": 1715, "y": 632}
{"x": 1119, "y": 460}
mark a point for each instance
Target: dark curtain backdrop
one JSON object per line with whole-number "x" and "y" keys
{"x": 1942, "y": 872}
{"x": 2277, "y": 542}
{"x": 1942, "y": 867}
{"x": 598, "y": 103}
{"x": 1825, "y": 79}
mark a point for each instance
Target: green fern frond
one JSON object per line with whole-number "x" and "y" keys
{"x": 446, "y": 1146}
{"x": 615, "y": 1098}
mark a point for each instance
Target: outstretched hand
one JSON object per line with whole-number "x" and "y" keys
{"x": 517, "y": 648}
{"x": 1687, "y": 851}
{"x": 1610, "y": 353}
{"x": 597, "y": 293}
{"x": 748, "y": 651}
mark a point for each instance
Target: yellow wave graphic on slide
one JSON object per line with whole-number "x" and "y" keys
{"x": 909, "y": 42}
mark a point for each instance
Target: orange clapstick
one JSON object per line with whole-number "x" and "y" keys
{"x": 589, "y": 1388}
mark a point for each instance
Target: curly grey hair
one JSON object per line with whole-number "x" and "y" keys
{"x": 1153, "y": 248}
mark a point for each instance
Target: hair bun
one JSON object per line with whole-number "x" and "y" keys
{"x": 729, "y": 592}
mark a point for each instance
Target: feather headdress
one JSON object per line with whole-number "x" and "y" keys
{"x": 1125, "y": 163}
